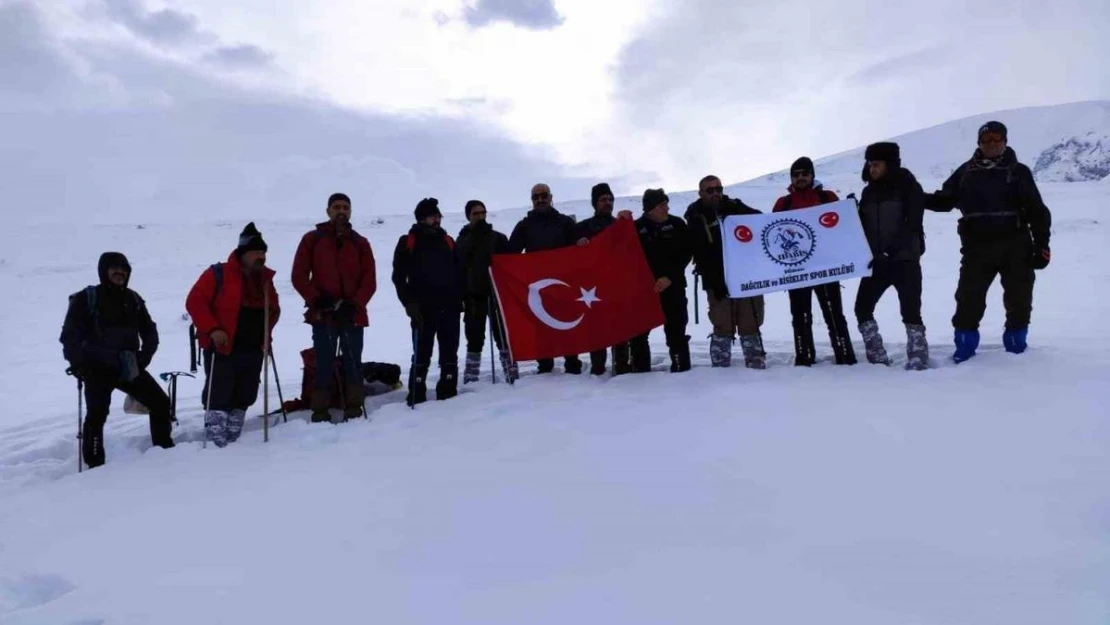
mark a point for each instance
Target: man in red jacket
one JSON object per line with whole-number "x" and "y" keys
{"x": 804, "y": 194}
{"x": 228, "y": 307}
{"x": 334, "y": 272}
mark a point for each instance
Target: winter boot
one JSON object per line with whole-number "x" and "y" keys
{"x": 966, "y": 343}
{"x": 917, "y": 348}
{"x": 572, "y": 365}
{"x": 473, "y": 367}
{"x": 355, "y": 400}
{"x": 873, "y": 343}
{"x": 92, "y": 445}
{"x": 680, "y": 356}
{"x": 640, "y": 351}
{"x": 215, "y": 427}
{"x": 509, "y": 367}
{"x": 235, "y": 420}
{"x": 321, "y": 401}
{"x": 597, "y": 362}
{"x": 545, "y": 365}
{"x": 448, "y": 385}
{"x": 843, "y": 352}
{"x": 1014, "y": 340}
{"x": 805, "y": 354}
{"x": 622, "y": 359}
{"x": 753, "y": 353}
{"x": 720, "y": 351}
{"x": 418, "y": 391}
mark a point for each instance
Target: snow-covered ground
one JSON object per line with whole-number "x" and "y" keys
{"x": 958, "y": 496}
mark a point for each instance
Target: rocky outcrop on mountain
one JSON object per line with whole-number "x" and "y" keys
{"x": 1076, "y": 159}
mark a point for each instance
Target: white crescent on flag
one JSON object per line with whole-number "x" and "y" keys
{"x": 535, "y": 303}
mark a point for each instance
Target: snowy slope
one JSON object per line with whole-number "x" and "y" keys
{"x": 1067, "y": 136}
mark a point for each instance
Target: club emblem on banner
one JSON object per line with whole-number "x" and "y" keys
{"x": 789, "y": 241}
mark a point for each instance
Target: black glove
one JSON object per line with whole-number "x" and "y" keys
{"x": 1041, "y": 256}
{"x": 346, "y": 311}
{"x": 412, "y": 309}
{"x": 324, "y": 302}
{"x": 128, "y": 366}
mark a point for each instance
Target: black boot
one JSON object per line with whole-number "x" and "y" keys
{"x": 597, "y": 362}
{"x": 418, "y": 390}
{"x": 641, "y": 355}
{"x": 92, "y": 444}
{"x": 622, "y": 360}
{"x": 572, "y": 365}
{"x": 448, "y": 385}
{"x": 841, "y": 342}
{"x": 680, "y": 356}
{"x": 805, "y": 354}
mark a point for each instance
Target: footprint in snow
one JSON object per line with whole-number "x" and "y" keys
{"x": 31, "y": 591}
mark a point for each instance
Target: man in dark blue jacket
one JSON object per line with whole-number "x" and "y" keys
{"x": 429, "y": 280}
{"x": 1004, "y": 231}
{"x": 109, "y": 339}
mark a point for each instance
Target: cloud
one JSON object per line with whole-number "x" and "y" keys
{"x": 760, "y": 82}
{"x": 239, "y": 57}
{"x": 165, "y": 26}
{"x": 184, "y": 147}
{"x": 529, "y": 14}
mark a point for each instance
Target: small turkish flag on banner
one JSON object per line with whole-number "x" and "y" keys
{"x": 576, "y": 299}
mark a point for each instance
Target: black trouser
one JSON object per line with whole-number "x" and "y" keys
{"x": 440, "y": 323}
{"x": 828, "y": 298}
{"x": 1009, "y": 257}
{"x": 675, "y": 318}
{"x": 477, "y": 311}
{"x": 236, "y": 380}
{"x": 98, "y": 397}
{"x": 904, "y": 276}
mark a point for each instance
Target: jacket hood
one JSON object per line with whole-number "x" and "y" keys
{"x": 111, "y": 259}
{"x": 235, "y": 264}
{"x": 419, "y": 229}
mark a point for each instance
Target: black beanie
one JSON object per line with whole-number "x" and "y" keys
{"x": 250, "y": 240}
{"x": 338, "y": 196}
{"x": 884, "y": 151}
{"x": 426, "y": 208}
{"x": 597, "y": 191}
{"x": 471, "y": 205}
{"x": 802, "y": 164}
{"x": 653, "y": 198}
{"x": 992, "y": 126}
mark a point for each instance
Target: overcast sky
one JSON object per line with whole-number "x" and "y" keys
{"x": 137, "y": 107}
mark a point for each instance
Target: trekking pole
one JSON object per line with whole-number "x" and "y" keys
{"x": 80, "y": 410}
{"x": 265, "y": 359}
{"x": 492, "y": 348}
{"x": 208, "y": 401}
{"x": 277, "y": 380}
{"x": 695, "y": 298}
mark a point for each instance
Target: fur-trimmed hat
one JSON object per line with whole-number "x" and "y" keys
{"x": 599, "y": 190}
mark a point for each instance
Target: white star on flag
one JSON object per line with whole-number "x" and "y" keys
{"x": 588, "y": 297}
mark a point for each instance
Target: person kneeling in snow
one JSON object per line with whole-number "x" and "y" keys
{"x": 228, "y": 305}
{"x": 428, "y": 274}
{"x": 109, "y": 340}
{"x": 891, "y": 209}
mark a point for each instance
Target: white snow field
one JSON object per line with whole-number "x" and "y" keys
{"x": 964, "y": 495}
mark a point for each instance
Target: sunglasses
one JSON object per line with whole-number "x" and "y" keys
{"x": 541, "y": 196}
{"x": 714, "y": 190}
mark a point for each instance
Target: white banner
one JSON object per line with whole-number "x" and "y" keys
{"x": 793, "y": 249}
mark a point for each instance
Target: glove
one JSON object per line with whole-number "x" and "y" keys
{"x": 346, "y": 311}
{"x": 1041, "y": 256}
{"x": 128, "y": 366}
{"x": 412, "y": 309}
{"x": 324, "y": 302}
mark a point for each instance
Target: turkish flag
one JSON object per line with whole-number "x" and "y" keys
{"x": 577, "y": 299}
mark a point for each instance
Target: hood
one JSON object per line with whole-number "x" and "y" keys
{"x": 421, "y": 229}
{"x": 108, "y": 259}
{"x": 235, "y": 264}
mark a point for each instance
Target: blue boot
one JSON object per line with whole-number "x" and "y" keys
{"x": 966, "y": 342}
{"x": 1014, "y": 340}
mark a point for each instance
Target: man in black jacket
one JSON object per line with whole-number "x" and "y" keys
{"x": 545, "y": 228}
{"x": 109, "y": 340}
{"x": 666, "y": 243}
{"x": 601, "y": 197}
{"x": 429, "y": 281}
{"x": 891, "y": 209}
{"x": 729, "y": 316}
{"x": 1004, "y": 231}
{"x": 478, "y": 241}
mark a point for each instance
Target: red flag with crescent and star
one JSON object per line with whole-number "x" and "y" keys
{"x": 577, "y": 299}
